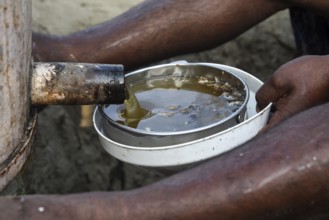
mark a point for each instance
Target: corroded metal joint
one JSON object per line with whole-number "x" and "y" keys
{"x": 77, "y": 84}
{"x": 16, "y": 159}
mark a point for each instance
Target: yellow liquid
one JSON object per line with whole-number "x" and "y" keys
{"x": 133, "y": 112}
{"x": 167, "y": 105}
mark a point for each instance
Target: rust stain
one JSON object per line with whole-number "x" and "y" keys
{"x": 16, "y": 19}
{"x": 1, "y": 59}
{"x": 23, "y": 150}
{"x": 71, "y": 83}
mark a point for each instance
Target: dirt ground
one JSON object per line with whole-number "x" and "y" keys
{"x": 67, "y": 158}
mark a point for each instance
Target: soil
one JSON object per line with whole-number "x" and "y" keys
{"x": 67, "y": 158}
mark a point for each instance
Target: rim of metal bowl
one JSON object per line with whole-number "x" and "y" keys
{"x": 168, "y": 133}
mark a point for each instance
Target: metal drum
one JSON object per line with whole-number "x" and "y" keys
{"x": 18, "y": 123}
{"x": 24, "y": 83}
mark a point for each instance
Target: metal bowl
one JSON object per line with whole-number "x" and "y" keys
{"x": 180, "y": 72}
{"x": 174, "y": 158}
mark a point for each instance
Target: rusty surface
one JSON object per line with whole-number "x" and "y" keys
{"x": 15, "y": 161}
{"x": 77, "y": 83}
{"x": 15, "y": 60}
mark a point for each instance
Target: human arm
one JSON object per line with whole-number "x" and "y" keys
{"x": 155, "y": 30}
{"x": 281, "y": 174}
{"x": 296, "y": 86}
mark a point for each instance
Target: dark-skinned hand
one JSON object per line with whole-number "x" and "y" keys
{"x": 296, "y": 86}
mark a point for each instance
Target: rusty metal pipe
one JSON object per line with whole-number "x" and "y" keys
{"x": 77, "y": 84}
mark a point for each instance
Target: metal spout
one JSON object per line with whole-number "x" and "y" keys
{"x": 77, "y": 84}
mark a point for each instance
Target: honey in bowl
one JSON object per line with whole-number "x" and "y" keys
{"x": 171, "y": 104}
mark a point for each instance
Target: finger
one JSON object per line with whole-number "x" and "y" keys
{"x": 273, "y": 108}
{"x": 283, "y": 109}
{"x": 278, "y": 85}
{"x": 271, "y": 91}
{"x": 286, "y": 107}
{"x": 274, "y": 120}
{"x": 263, "y": 130}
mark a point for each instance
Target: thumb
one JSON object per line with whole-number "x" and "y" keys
{"x": 271, "y": 91}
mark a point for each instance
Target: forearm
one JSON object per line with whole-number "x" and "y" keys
{"x": 159, "y": 29}
{"x": 279, "y": 175}
{"x": 86, "y": 206}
